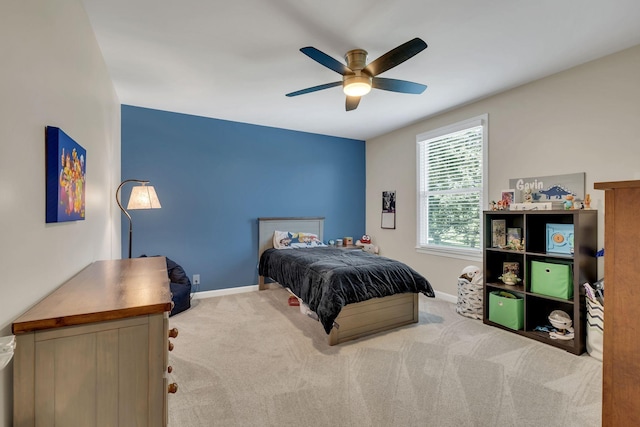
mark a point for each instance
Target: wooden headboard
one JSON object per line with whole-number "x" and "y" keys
{"x": 266, "y": 227}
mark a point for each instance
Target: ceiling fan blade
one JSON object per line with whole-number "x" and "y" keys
{"x": 394, "y": 85}
{"x": 314, "y": 88}
{"x": 395, "y": 56}
{"x": 352, "y": 102}
{"x": 324, "y": 59}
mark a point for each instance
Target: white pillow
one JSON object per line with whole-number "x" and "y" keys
{"x": 281, "y": 239}
{"x": 287, "y": 240}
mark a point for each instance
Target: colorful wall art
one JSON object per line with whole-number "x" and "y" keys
{"x": 66, "y": 177}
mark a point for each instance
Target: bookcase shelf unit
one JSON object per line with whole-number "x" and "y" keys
{"x": 537, "y": 307}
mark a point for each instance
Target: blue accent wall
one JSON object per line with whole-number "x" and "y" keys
{"x": 215, "y": 178}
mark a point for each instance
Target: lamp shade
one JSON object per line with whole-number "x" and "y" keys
{"x": 143, "y": 197}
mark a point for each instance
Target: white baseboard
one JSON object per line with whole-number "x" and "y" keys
{"x": 227, "y": 291}
{"x": 242, "y": 289}
{"x": 447, "y": 297}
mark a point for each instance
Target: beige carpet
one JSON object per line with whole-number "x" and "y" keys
{"x": 251, "y": 360}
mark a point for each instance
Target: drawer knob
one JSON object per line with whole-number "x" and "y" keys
{"x": 169, "y": 369}
{"x": 173, "y": 387}
{"x": 173, "y": 332}
{"x": 170, "y": 346}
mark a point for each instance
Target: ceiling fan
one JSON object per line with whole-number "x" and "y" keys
{"x": 358, "y": 77}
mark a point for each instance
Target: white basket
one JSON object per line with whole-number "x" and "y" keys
{"x": 595, "y": 328}
{"x": 469, "y": 299}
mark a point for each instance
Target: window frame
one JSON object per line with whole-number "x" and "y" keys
{"x": 460, "y": 253}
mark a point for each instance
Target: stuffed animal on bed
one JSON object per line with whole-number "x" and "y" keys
{"x": 368, "y": 247}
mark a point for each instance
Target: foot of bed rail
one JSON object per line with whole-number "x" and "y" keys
{"x": 333, "y": 336}
{"x": 370, "y": 317}
{"x": 261, "y": 285}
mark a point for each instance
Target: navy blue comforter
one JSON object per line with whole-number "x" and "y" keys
{"x": 327, "y": 279}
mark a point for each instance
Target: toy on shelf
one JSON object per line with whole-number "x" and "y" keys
{"x": 568, "y": 204}
{"x": 562, "y": 322}
{"x": 528, "y": 195}
{"x": 509, "y": 278}
{"x": 514, "y": 245}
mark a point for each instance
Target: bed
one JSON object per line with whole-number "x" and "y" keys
{"x": 353, "y": 293}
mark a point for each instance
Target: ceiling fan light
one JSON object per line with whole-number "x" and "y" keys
{"x": 357, "y": 86}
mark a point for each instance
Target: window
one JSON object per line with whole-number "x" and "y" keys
{"x": 452, "y": 170}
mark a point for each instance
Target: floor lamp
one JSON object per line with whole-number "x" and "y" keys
{"x": 142, "y": 197}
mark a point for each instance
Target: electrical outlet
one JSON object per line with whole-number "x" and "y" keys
{"x": 196, "y": 279}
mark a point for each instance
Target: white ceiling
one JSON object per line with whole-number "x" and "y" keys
{"x": 236, "y": 60}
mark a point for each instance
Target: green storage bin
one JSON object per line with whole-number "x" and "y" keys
{"x": 508, "y": 312}
{"x": 552, "y": 279}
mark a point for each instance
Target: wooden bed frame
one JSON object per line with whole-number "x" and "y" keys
{"x": 355, "y": 320}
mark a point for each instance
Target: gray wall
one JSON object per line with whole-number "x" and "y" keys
{"x": 584, "y": 119}
{"x": 53, "y": 74}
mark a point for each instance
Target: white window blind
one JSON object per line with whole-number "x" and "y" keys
{"x": 451, "y": 176}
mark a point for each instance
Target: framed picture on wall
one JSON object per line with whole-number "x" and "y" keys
{"x": 66, "y": 166}
{"x": 388, "y": 209}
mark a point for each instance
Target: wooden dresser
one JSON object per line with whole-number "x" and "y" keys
{"x": 621, "y": 355}
{"x": 95, "y": 351}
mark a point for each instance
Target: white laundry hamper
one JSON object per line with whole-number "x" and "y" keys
{"x": 470, "y": 293}
{"x": 595, "y": 328}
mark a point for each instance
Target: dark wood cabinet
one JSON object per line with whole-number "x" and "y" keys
{"x": 582, "y": 265}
